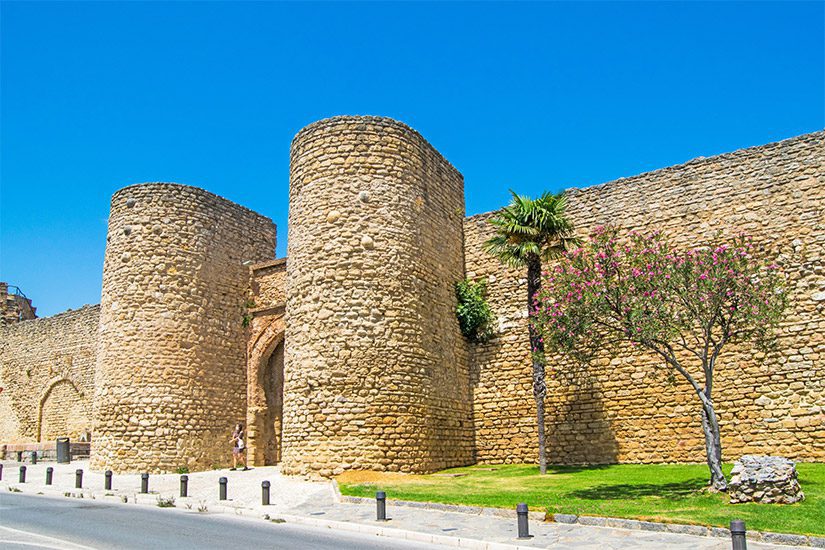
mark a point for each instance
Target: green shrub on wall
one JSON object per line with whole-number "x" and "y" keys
{"x": 475, "y": 317}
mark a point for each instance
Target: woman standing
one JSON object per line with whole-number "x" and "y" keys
{"x": 238, "y": 448}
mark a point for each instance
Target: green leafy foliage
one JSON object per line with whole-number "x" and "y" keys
{"x": 247, "y": 316}
{"x": 475, "y": 317}
{"x": 643, "y": 291}
{"x": 531, "y": 228}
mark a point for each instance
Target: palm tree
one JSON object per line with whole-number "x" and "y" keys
{"x": 527, "y": 232}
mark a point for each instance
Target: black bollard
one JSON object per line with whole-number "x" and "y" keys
{"x": 107, "y": 480}
{"x": 737, "y": 535}
{"x": 381, "y": 506}
{"x": 34, "y": 457}
{"x": 1, "y": 472}
{"x": 144, "y": 483}
{"x": 78, "y": 479}
{"x": 265, "y": 493}
{"x": 19, "y": 456}
{"x": 222, "y": 489}
{"x": 22, "y": 474}
{"x": 49, "y": 475}
{"x": 184, "y": 485}
{"x": 523, "y": 525}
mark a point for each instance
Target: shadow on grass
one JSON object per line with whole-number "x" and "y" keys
{"x": 556, "y": 469}
{"x": 628, "y": 491}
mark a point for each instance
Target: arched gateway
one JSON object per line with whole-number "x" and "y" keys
{"x": 265, "y": 363}
{"x": 265, "y": 388}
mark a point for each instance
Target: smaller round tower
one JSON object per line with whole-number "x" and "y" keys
{"x": 170, "y": 378}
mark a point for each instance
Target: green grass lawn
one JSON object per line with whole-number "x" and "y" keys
{"x": 653, "y": 492}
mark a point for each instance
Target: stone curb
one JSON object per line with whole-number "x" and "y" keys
{"x": 596, "y": 521}
{"x": 150, "y": 499}
{"x": 437, "y": 506}
{"x": 416, "y": 536}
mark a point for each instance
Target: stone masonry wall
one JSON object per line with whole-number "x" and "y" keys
{"x": 268, "y": 284}
{"x": 375, "y": 366}
{"x": 772, "y": 404}
{"x": 47, "y": 376}
{"x": 171, "y": 369}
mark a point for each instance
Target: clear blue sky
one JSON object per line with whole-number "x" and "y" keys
{"x": 529, "y": 96}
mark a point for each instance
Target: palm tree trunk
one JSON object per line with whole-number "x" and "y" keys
{"x": 537, "y": 347}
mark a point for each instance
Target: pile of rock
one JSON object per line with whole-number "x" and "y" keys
{"x": 768, "y": 479}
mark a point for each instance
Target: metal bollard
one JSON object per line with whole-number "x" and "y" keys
{"x": 222, "y": 489}
{"x": 78, "y": 479}
{"x": 19, "y": 456}
{"x": 265, "y": 493}
{"x": 107, "y": 480}
{"x": 34, "y": 457}
{"x": 49, "y": 475}
{"x": 381, "y": 506}
{"x": 523, "y": 525}
{"x": 144, "y": 483}
{"x": 737, "y": 535}
{"x": 184, "y": 485}
{"x": 22, "y": 474}
{"x": 1, "y": 472}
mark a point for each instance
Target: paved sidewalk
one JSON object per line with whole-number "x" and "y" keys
{"x": 315, "y": 503}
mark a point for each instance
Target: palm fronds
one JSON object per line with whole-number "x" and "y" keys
{"x": 531, "y": 227}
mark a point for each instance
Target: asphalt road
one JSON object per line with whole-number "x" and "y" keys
{"x": 28, "y": 522}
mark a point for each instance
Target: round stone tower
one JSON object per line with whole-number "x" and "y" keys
{"x": 170, "y": 380}
{"x": 376, "y": 370}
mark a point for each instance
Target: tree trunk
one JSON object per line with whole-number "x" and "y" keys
{"x": 713, "y": 445}
{"x": 539, "y": 391}
{"x": 537, "y": 348}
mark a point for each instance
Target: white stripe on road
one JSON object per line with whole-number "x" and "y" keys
{"x": 35, "y": 544}
{"x": 62, "y": 542}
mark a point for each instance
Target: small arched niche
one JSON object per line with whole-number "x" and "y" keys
{"x": 63, "y": 411}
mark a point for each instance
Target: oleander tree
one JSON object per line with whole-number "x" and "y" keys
{"x": 527, "y": 232}
{"x": 683, "y": 306}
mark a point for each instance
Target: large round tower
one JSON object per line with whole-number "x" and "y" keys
{"x": 171, "y": 368}
{"x": 376, "y": 369}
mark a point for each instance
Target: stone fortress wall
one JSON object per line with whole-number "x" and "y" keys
{"x": 376, "y": 368}
{"x": 47, "y": 376}
{"x": 349, "y": 355}
{"x": 624, "y": 409}
{"x": 171, "y": 364}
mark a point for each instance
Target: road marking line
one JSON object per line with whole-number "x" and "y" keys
{"x": 35, "y": 544}
{"x": 53, "y": 539}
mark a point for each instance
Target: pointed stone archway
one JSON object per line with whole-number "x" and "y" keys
{"x": 69, "y": 416}
{"x": 265, "y": 390}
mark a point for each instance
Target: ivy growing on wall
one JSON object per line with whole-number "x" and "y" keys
{"x": 247, "y": 315}
{"x": 475, "y": 317}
